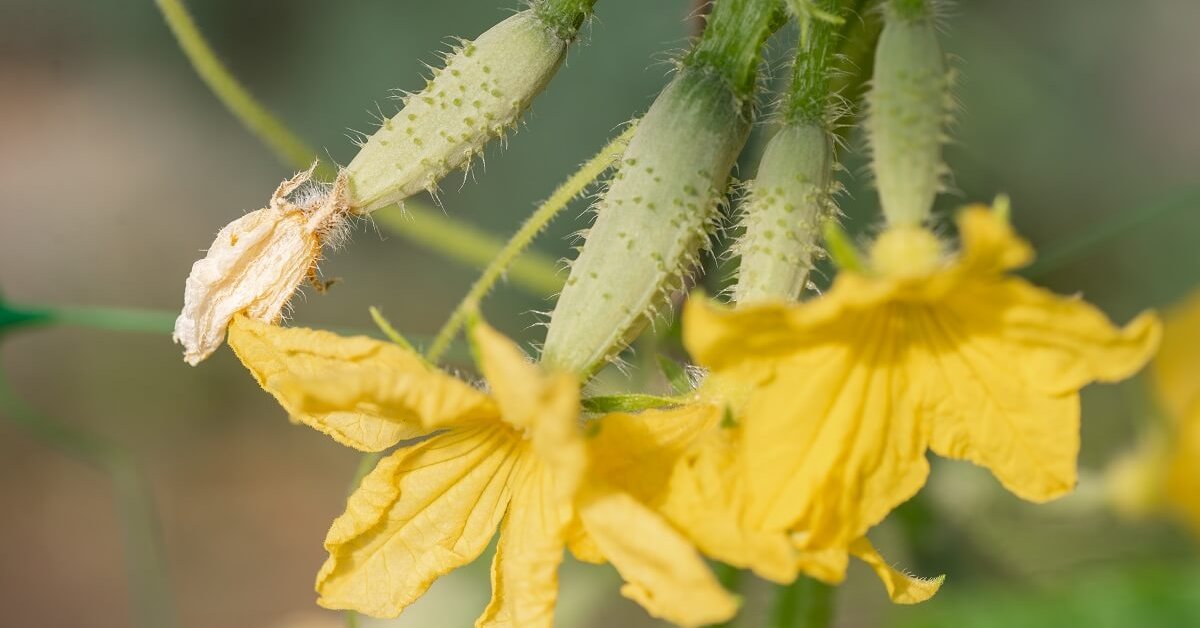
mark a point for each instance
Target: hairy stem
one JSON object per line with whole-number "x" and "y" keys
{"x": 808, "y": 98}
{"x": 732, "y": 41}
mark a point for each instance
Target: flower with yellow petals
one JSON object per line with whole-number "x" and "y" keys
{"x": 1163, "y": 473}
{"x": 921, "y": 350}
{"x": 512, "y": 458}
{"x": 685, "y": 462}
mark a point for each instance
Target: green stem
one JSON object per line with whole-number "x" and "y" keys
{"x": 434, "y": 230}
{"x": 912, "y": 9}
{"x": 141, "y": 537}
{"x": 260, "y": 122}
{"x": 110, "y": 318}
{"x": 730, "y": 577}
{"x": 731, "y": 43}
{"x": 855, "y": 60}
{"x": 114, "y": 319}
{"x": 564, "y": 194}
{"x": 805, "y": 603}
{"x": 564, "y": 17}
{"x": 808, "y": 99}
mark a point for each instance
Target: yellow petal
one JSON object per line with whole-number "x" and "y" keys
{"x": 637, "y": 452}
{"x": 1177, "y": 367}
{"x": 1183, "y": 473}
{"x": 998, "y": 368}
{"x": 901, "y": 587}
{"x": 1061, "y": 343}
{"x": 706, "y": 499}
{"x": 662, "y": 571}
{"x": 363, "y": 393}
{"x": 989, "y": 244}
{"x": 581, "y": 544}
{"x": 832, "y": 442}
{"x": 532, "y": 538}
{"x": 981, "y": 408}
{"x": 425, "y": 510}
{"x": 544, "y": 406}
{"x": 720, "y": 338}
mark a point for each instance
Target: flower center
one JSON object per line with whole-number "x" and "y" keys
{"x": 905, "y": 252}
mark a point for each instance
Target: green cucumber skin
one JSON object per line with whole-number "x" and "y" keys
{"x": 908, "y": 111}
{"x": 481, "y": 92}
{"x": 787, "y": 201}
{"x": 652, "y": 221}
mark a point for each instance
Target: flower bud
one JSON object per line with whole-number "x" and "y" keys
{"x": 257, "y": 262}
{"x": 652, "y": 221}
{"x": 786, "y": 204}
{"x": 479, "y": 94}
{"x": 908, "y": 108}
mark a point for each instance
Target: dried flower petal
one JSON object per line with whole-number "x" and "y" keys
{"x": 256, "y": 263}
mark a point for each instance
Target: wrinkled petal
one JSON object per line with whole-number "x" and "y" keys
{"x": 1062, "y": 343}
{"x": 901, "y": 587}
{"x": 362, "y": 392}
{"x": 832, "y": 442}
{"x": 706, "y": 499}
{"x": 721, "y": 338}
{"x": 983, "y": 409}
{"x": 989, "y": 244}
{"x": 532, "y": 539}
{"x": 637, "y": 452}
{"x": 1177, "y": 367}
{"x": 254, "y": 265}
{"x": 661, "y": 569}
{"x": 425, "y": 510}
{"x": 544, "y": 406}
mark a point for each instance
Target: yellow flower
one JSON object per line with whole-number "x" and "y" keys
{"x": 685, "y": 462}
{"x": 1163, "y": 473}
{"x": 513, "y": 458}
{"x": 925, "y": 350}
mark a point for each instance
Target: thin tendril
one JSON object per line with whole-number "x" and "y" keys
{"x": 533, "y": 225}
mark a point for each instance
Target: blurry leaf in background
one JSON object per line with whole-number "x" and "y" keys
{"x": 1147, "y": 596}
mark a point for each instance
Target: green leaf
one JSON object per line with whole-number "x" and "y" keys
{"x": 626, "y": 403}
{"x": 676, "y": 375}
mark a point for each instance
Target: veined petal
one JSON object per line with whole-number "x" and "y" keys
{"x": 1178, "y": 362}
{"x": 662, "y": 571}
{"x": 832, "y": 442}
{"x": 637, "y": 452}
{"x": 901, "y": 587}
{"x": 983, "y": 409}
{"x": 532, "y": 539}
{"x": 362, "y": 392}
{"x": 1061, "y": 343}
{"x": 720, "y": 337}
{"x": 706, "y": 499}
{"x": 425, "y": 510}
{"x": 544, "y": 406}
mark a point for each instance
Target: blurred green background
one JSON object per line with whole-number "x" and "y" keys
{"x": 117, "y": 166}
